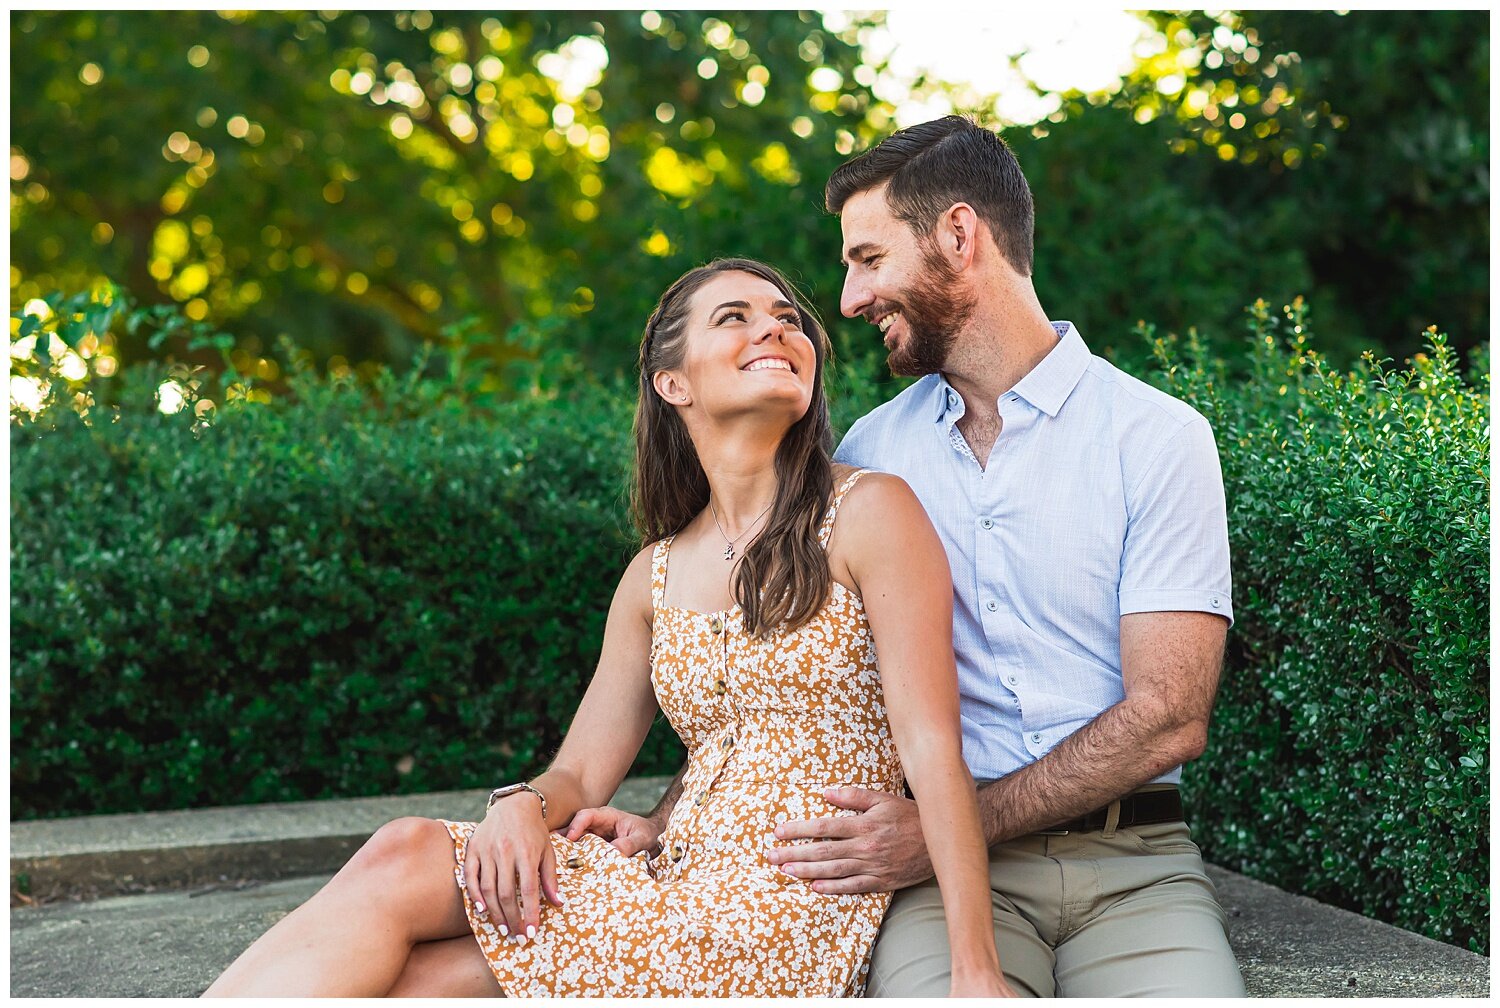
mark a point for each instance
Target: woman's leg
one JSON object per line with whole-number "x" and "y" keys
{"x": 354, "y": 937}
{"x": 453, "y": 967}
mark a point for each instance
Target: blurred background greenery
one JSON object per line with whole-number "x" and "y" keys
{"x": 528, "y": 181}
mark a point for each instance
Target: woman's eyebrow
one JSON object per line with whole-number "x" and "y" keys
{"x": 777, "y": 305}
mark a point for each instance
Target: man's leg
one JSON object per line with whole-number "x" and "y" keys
{"x": 1155, "y": 928}
{"x": 912, "y": 959}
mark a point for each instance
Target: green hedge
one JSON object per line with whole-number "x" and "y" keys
{"x": 1349, "y": 755}
{"x": 325, "y": 596}
{"x": 401, "y": 587}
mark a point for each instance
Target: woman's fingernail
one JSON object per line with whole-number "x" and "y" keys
{"x": 521, "y": 938}
{"x": 530, "y": 930}
{"x": 478, "y": 907}
{"x": 504, "y": 931}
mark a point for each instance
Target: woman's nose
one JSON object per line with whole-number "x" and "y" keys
{"x": 770, "y": 328}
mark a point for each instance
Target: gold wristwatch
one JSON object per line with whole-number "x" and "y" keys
{"x": 510, "y": 789}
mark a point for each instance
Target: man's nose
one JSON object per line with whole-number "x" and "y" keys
{"x": 855, "y": 298}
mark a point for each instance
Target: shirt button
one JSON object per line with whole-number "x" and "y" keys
{"x": 1036, "y": 736}
{"x": 986, "y": 523}
{"x": 1011, "y": 397}
{"x": 991, "y": 606}
{"x": 1012, "y": 680}
{"x": 952, "y": 399}
{"x": 1214, "y": 601}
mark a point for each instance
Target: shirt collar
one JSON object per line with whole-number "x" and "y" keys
{"x": 1046, "y": 386}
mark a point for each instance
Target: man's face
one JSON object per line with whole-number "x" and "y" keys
{"x": 900, "y": 283}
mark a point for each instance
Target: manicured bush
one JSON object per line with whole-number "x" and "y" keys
{"x": 349, "y": 591}
{"x": 1349, "y": 755}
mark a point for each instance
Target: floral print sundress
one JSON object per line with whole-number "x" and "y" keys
{"x": 767, "y": 725}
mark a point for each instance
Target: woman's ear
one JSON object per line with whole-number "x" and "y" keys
{"x": 670, "y": 386}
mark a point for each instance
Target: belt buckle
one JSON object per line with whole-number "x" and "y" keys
{"x": 1053, "y": 832}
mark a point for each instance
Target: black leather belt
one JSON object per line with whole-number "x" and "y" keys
{"x": 1144, "y": 808}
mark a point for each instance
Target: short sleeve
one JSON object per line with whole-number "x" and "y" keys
{"x": 853, "y": 448}
{"x": 1176, "y": 552}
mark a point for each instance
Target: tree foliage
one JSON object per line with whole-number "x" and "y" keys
{"x": 529, "y": 180}
{"x": 1360, "y": 141}
{"x": 363, "y": 179}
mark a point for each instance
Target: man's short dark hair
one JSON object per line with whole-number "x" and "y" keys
{"x": 930, "y": 167}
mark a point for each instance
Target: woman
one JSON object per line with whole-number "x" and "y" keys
{"x": 752, "y": 620}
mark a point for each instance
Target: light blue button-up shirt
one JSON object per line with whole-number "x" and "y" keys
{"x": 1102, "y": 496}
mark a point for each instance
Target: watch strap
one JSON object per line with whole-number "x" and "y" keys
{"x": 510, "y": 789}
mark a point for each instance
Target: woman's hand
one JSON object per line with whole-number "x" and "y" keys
{"x": 509, "y": 864}
{"x": 629, "y": 834}
{"x": 981, "y": 985}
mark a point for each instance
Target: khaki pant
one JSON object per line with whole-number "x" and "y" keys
{"x": 1131, "y": 914}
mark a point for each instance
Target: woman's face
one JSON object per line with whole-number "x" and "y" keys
{"x": 746, "y": 353}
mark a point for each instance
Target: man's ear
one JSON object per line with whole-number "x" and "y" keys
{"x": 957, "y": 235}
{"x": 670, "y": 386}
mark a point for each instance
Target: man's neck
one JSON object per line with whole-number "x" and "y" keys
{"x": 991, "y": 356}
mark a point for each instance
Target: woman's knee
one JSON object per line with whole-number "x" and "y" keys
{"x": 400, "y": 843}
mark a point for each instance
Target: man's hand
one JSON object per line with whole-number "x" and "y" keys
{"x": 878, "y": 850}
{"x": 629, "y": 834}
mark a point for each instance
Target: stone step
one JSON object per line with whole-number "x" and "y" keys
{"x": 181, "y": 894}
{"x": 109, "y": 855}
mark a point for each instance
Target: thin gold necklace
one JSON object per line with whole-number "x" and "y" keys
{"x": 729, "y": 543}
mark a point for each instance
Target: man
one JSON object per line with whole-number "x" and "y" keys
{"x": 1083, "y": 514}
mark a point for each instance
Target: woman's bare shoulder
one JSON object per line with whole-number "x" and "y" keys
{"x": 635, "y": 583}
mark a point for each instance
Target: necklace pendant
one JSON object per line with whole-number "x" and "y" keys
{"x": 729, "y": 551}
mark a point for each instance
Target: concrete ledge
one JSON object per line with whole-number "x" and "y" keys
{"x": 203, "y": 884}
{"x": 92, "y": 856}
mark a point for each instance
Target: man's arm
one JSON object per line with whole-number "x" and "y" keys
{"x": 669, "y": 798}
{"x": 628, "y": 833}
{"x": 1170, "y": 664}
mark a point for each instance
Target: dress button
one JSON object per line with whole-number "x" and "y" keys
{"x": 727, "y": 743}
{"x": 991, "y": 606}
{"x": 574, "y": 862}
{"x": 677, "y": 852}
{"x": 702, "y": 797}
{"x": 719, "y": 687}
{"x": 717, "y": 626}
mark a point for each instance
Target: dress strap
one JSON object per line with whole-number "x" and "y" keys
{"x": 826, "y": 531}
{"x": 659, "y": 572}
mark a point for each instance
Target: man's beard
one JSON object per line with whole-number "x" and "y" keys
{"x": 934, "y": 310}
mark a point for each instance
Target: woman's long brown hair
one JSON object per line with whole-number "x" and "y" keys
{"x": 783, "y": 577}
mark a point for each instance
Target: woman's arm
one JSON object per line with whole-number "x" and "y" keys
{"x": 901, "y": 573}
{"x": 509, "y": 862}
